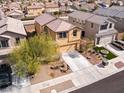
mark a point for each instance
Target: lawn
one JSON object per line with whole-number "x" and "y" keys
{"x": 109, "y": 56}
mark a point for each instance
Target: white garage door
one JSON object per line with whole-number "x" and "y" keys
{"x": 105, "y": 40}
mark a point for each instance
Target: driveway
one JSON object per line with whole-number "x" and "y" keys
{"x": 75, "y": 60}
{"x": 115, "y": 50}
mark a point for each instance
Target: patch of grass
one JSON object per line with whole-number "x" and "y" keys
{"x": 109, "y": 56}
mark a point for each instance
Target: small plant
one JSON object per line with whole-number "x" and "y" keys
{"x": 52, "y": 74}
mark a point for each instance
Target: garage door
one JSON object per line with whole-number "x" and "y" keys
{"x": 67, "y": 48}
{"x": 105, "y": 40}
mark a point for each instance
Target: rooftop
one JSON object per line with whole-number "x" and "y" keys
{"x": 12, "y": 25}
{"x": 59, "y": 25}
{"x": 81, "y": 15}
{"x": 44, "y": 19}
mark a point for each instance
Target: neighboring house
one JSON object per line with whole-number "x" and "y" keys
{"x": 13, "y": 6}
{"x": 42, "y": 21}
{"x": 35, "y": 9}
{"x": 84, "y": 6}
{"x": 17, "y": 14}
{"x": 117, "y": 13}
{"x": 99, "y": 28}
{"x": 66, "y": 35}
{"x": 11, "y": 32}
{"x": 51, "y": 7}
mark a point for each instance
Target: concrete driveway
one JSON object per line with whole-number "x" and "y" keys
{"x": 75, "y": 60}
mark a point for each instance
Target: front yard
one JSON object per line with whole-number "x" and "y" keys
{"x": 108, "y": 56}
{"x": 46, "y": 73}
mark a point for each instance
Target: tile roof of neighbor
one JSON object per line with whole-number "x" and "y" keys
{"x": 90, "y": 17}
{"x": 13, "y": 25}
{"x": 59, "y": 25}
{"x": 106, "y": 12}
{"x": 119, "y": 8}
{"x": 81, "y": 15}
{"x": 98, "y": 19}
{"x": 44, "y": 19}
{"x": 113, "y": 11}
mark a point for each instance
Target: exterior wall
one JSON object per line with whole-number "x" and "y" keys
{"x": 30, "y": 28}
{"x": 77, "y": 22}
{"x": 66, "y": 44}
{"x": 108, "y": 29}
{"x": 35, "y": 11}
{"x": 72, "y": 38}
{"x": 120, "y": 36}
{"x": 89, "y": 31}
{"x": 50, "y": 10}
{"x": 12, "y": 41}
{"x": 38, "y": 28}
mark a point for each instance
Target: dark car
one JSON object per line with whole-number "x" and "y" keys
{"x": 5, "y": 75}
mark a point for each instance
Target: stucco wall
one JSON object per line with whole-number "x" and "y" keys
{"x": 12, "y": 41}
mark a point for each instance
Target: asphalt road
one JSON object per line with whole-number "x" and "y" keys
{"x": 112, "y": 84}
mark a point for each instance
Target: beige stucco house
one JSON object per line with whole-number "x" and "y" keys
{"x": 99, "y": 28}
{"x": 42, "y": 21}
{"x": 11, "y": 32}
{"x": 51, "y": 7}
{"x": 66, "y": 35}
{"x": 35, "y": 9}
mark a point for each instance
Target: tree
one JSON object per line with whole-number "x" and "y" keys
{"x": 31, "y": 53}
{"x": 87, "y": 45}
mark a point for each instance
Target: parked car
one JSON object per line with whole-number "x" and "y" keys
{"x": 5, "y": 75}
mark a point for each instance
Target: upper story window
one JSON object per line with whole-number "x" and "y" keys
{"x": 74, "y": 32}
{"x": 110, "y": 25}
{"x": 4, "y": 43}
{"x": 17, "y": 40}
{"x": 62, "y": 34}
{"x": 91, "y": 25}
{"x": 103, "y": 27}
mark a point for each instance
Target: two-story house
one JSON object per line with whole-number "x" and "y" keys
{"x": 99, "y": 28}
{"x": 11, "y": 32}
{"x": 66, "y": 35}
{"x": 42, "y": 21}
{"x": 35, "y": 9}
{"x": 117, "y": 13}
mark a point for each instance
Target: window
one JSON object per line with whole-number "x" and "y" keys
{"x": 91, "y": 25}
{"x": 110, "y": 25}
{"x": 75, "y": 33}
{"x": 17, "y": 40}
{"x": 4, "y": 43}
{"x": 103, "y": 27}
{"x": 62, "y": 35}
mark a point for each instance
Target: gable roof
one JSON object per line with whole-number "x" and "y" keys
{"x": 59, "y": 25}
{"x": 13, "y": 25}
{"x": 81, "y": 15}
{"x": 44, "y": 19}
{"x": 97, "y": 19}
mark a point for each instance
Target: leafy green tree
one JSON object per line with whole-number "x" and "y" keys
{"x": 31, "y": 53}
